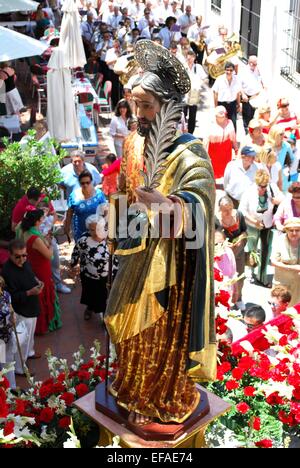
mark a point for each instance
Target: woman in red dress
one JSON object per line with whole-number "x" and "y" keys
{"x": 39, "y": 255}
{"x": 221, "y": 141}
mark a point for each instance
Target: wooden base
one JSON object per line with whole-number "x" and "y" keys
{"x": 107, "y": 404}
{"x": 193, "y": 438}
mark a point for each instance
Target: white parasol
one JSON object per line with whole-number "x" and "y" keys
{"x": 61, "y": 114}
{"x": 11, "y": 6}
{"x": 14, "y": 45}
{"x": 70, "y": 36}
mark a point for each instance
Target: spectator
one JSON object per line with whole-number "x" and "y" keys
{"x": 110, "y": 173}
{"x": 284, "y": 154}
{"x": 221, "y": 142}
{"x": 255, "y": 138}
{"x": 186, "y": 21}
{"x": 263, "y": 115}
{"x": 240, "y": 174}
{"x": 163, "y": 12}
{"x": 295, "y": 166}
{"x": 287, "y": 120}
{"x": 168, "y": 34}
{"x": 6, "y": 327}
{"x": 119, "y": 126}
{"x": 267, "y": 160}
{"x": 226, "y": 261}
{"x": 176, "y": 11}
{"x": 25, "y": 290}
{"x": 197, "y": 75}
{"x": 233, "y": 224}
{"x": 286, "y": 259}
{"x": 72, "y": 171}
{"x": 254, "y": 318}
{"x": 32, "y": 197}
{"x": 280, "y": 301}
{"x": 257, "y": 205}
{"x": 83, "y": 203}
{"x": 196, "y": 36}
{"x": 12, "y": 96}
{"x": 40, "y": 255}
{"x": 252, "y": 86}
{"x": 87, "y": 33}
{"x": 227, "y": 93}
{"x": 289, "y": 208}
{"x": 46, "y": 228}
{"x": 92, "y": 253}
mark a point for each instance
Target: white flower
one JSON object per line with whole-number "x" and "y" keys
{"x": 247, "y": 346}
{"x": 284, "y": 390}
{"x": 272, "y": 334}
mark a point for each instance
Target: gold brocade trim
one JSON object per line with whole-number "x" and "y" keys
{"x": 135, "y": 250}
{"x": 133, "y": 319}
{"x": 155, "y": 414}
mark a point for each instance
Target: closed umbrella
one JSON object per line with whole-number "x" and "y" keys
{"x": 61, "y": 113}
{"x": 70, "y": 36}
{"x": 14, "y": 45}
{"x": 11, "y": 6}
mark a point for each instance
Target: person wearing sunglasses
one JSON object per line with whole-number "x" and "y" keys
{"x": 279, "y": 301}
{"x": 257, "y": 205}
{"x": 83, "y": 203}
{"x": 25, "y": 289}
{"x": 254, "y": 318}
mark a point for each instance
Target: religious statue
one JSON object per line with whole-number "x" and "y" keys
{"x": 160, "y": 313}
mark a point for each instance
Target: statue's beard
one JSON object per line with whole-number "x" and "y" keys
{"x": 144, "y": 128}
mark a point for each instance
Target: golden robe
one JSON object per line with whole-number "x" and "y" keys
{"x": 160, "y": 313}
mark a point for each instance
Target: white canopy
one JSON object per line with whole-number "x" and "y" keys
{"x": 14, "y": 45}
{"x": 61, "y": 116}
{"x": 11, "y": 6}
{"x": 70, "y": 36}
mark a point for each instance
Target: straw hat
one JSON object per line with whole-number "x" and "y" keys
{"x": 292, "y": 224}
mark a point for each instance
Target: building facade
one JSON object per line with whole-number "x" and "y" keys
{"x": 269, "y": 29}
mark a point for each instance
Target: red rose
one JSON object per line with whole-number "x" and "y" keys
{"x": 81, "y": 390}
{"x": 225, "y": 367}
{"x": 249, "y": 391}
{"x": 238, "y": 374}
{"x": 3, "y": 404}
{"x": 287, "y": 419}
{"x": 223, "y": 298}
{"x": 61, "y": 378}
{"x": 266, "y": 444}
{"x": 46, "y": 391}
{"x": 232, "y": 385}
{"x": 68, "y": 398}
{"x": 64, "y": 423}
{"x": 246, "y": 363}
{"x": 101, "y": 358}
{"x": 20, "y": 408}
{"x": 243, "y": 408}
{"x": 275, "y": 400}
{"x": 46, "y": 415}
{"x": 256, "y": 424}
{"x": 58, "y": 387}
{"x": 84, "y": 375}
{"x": 9, "y": 428}
{"x": 296, "y": 393}
{"x": 218, "y": 275}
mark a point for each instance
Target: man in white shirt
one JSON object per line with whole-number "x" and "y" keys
{"x": 197, "y": 75}
{"x": 87, "y": 33}
{"x": 196, "y": 34}
{"x": 252, "y": 86}
{"x": 167, "y": 35}
{"x": 137, "y": 10}
{"x": 162, "y": 12}
{"x": 227, "y": 92}
{"x": 148, "y": 32}
{"x": 114, "y": 20}
{"x": 145, "y": 20}
{"x": 187, "y": 20}
{"x": 106, "y": 11}
{"x": 176, "y": 12}
{"x": 240, "y": 175}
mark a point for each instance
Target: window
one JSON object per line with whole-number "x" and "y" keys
{"x": 216, "y": 6}
{"x": 250, "y": 24}
{"x": 291, "y": 70}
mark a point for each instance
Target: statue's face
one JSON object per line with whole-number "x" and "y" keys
{"x": 147, "y": 106}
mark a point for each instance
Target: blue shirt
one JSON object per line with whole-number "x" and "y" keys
{"x": 82, "y": 209}
{"x": 71, "y": 179}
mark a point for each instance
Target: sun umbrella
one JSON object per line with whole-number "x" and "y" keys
{"x": 14, "y": 45}
{"x": 10, "y": 6}
{"x": 61, "y": 114}
{"x": 70, "y": 36}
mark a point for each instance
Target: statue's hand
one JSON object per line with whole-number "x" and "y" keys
{"x": 154, "y": 200}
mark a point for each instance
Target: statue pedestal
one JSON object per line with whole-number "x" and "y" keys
{"x": 192, "y": 435}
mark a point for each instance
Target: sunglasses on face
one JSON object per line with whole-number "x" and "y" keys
{"x": 18, "y": 257}
{"x": 274, "y": 305}
{"x": 85, "y": 183}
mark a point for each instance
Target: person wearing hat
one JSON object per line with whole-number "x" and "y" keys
{"x": 240, "y": 174}
{"x": 255, "y": 137}
{"x": 263, "y": 115}
{"x": 87, "y": 33}
{"x": 252, "y": 86}
{"x": 153, "y": 314}
{"x": 286, "y": 259}
{"x": 221, "y": 142}
{"x": 257, "y": 205}
{"x": 288, "y": 120}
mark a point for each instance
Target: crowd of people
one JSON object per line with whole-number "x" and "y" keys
{"x": 257, "y": 217}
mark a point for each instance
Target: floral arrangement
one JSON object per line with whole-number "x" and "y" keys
{"x": 42, "y": 416}
{"x": 260, "y": 378}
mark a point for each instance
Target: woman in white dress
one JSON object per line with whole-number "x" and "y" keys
{"x": 13, "y": 99}
{"x": 119, "y": 126}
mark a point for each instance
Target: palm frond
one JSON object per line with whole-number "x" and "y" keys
{"x": 162, "y": 135}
